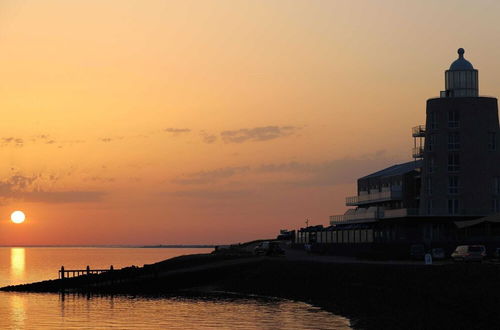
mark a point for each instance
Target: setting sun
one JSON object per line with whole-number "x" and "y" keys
{"x": 17, "y": 217}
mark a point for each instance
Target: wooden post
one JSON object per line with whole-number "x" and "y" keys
{"x": 61, "y": 275}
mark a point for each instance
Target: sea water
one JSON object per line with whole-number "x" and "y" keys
{"x": 70, "y": 311}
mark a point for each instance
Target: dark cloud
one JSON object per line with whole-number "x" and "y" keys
{"x": 257, "y": 133}
{"x": 204, "y": 177}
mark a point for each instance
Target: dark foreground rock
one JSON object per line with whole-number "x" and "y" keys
{"x": 462, "y": 296}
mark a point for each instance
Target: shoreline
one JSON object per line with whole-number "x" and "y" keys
{"x": 371, "y": 296}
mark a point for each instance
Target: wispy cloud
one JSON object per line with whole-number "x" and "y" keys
{"x": 208, "y": 138}
{"x": 12, "y": 141}
{"x": 56, "y": 197}
{"x": 29, "y": 188}
{"x": 176, "y": 131}
{"x": 327, "y": 173}
{"x": 204, "y": 177}
{"x": 212, "y": 194}
{"x": 257, "y": 133}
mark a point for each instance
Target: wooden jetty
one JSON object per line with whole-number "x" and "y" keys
{"x": 67, "y": 273}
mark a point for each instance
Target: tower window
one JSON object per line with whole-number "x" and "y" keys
{"x": 453, "y": 162}
{"x": 495, "y": 205}
{"x": 453, "y": 141}
{"x": 430, "y": 141}
{"x": 492, "y": 140}
{"x": 430, "y": 165}
{"x": 452, "y": 206}
{"x": 453, "y": 119}
{"x": 433, "y": 120}
{"x": 496, "y": 185}
{"x": 429, "y": 207}
{"x": 453, "y": 184}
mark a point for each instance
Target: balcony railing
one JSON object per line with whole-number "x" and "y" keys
{"x": 418, "y": 152}
{"x": 373, "y": 215}
{"x": 405, "y": 212}
{"x": 382, "y": 196}
{"x": 418, "y": 131}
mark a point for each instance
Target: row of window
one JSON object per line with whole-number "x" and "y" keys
{"x": 337, "y": 236}
{"x": 453, "y": 163}
{"x": 453, "y": 119}
{"x": 454, "y": 141}
{"x": 454, "y": 185}
{"x": 453, "y": 206}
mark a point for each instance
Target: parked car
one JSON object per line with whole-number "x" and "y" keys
{"x": 268, "y": 248}
{"x": 496, "y": 254}
{"x": 438, "y": 253}
{"x": 469, "y": 253}
{"x": 417, "y": 251}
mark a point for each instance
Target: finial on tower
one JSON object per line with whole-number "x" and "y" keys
{"x": 460, "y": 52}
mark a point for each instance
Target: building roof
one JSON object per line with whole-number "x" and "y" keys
{"x": 398, "y": 169}
{"x": 461, "y": 64}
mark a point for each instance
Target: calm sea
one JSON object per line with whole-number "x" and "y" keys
{"x": 54, "y": 311}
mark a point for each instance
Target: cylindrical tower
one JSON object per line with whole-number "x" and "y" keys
{"x": 461, "y": 158}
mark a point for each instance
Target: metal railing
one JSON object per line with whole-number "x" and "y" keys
{"x": 352, "y": 217}
{"x": 418, "y": 131}
{"x": 381, "y": 196}
{"x": 418, "y": 152}
{"x": 407, "y": 212}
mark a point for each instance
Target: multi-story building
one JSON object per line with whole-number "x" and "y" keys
{"x": 437, "y": 198}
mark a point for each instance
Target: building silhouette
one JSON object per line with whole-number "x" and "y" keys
{"x": 443, "y": 196}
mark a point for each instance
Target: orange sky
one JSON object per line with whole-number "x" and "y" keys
{"x": 163, "y": 122}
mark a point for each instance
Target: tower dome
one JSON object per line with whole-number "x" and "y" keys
{"x": 461, "y": 80}
{"x": 461, "y": 64}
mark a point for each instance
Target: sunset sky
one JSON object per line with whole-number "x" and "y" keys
{"x": 165, "y": 122}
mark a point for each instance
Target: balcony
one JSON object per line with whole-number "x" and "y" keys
{"x": 382, "y": 196}
{"x": 368, "y": 216}
{"x": 418, "y": 152}
{"x": 418, "y": 131}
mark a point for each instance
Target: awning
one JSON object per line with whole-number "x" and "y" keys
{"x": 469, "y": 223}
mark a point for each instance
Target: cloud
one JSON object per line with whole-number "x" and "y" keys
{"x": 208, "y": 138}
{"x": 333, "y": 172}
{"x": 111, "y": 139}
{"x": 212, "y": 194}
{"x": 177, "y": 131}
{"x": 299, "y": 174}
{"x": 17, "y": 142}
{"x": 52, "y": 197}
{"x": 204, "y": 177}
{"x": 257, "y": 133}
{"x": 99, "y": 179}
{"x": 28, "y": 188}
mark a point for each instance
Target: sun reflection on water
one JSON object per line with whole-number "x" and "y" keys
{"x": 17, "y": 262}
